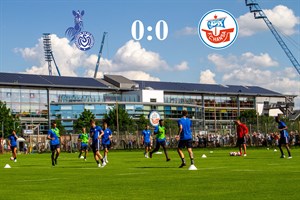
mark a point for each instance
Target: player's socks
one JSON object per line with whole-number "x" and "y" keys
{"x": 79, "y": 155}
{"x": 281, "y": 150}
{"x": 183, "y": 160}
{"x": 192, "y": 161}
{"x": 97, "y": 161}
{"x": 56, "y": 158}
{"x": 288, "y": 152}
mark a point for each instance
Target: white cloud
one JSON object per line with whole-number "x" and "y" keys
{"x": 251, "y": 69}
{"x": 67, "y": 57}
{"x": 138, "y": 75}
{"x": 263, "y": 60}
{"x": 248, "y": 59}
{"x": 207, "y": 77}
{"x": 282, "y": 17}
{"x": 187, "y": 31}
{"x": 130, "y": 59}
{"x": 275, "y": 81}
{"x": 223, "y": 63}
{"x": 133, "y": 56}
{"x": 183, "y": 66}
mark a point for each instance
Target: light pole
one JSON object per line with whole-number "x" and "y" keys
{"x": 2, "y": 130}
{"x": 238, "y": 103}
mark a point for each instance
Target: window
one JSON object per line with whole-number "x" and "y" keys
{"x": 153, "y": 100}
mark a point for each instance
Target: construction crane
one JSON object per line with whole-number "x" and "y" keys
{"x": 259, "y": 14}
{"x": 48, "y": 53}
{"x": 100, "y": 54}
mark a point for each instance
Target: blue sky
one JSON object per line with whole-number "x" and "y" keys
{"x": 254, "y": 59}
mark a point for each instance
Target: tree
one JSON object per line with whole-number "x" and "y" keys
{"x": 10, "y": 122}
{"x": 125, "y": 122}
{"x": 171, "y": 126}
{"x": 142, "y": 122}
{"x": 249, "y": 116}
{"x": 61, "y": 128}
{"x": 84, "y": 120}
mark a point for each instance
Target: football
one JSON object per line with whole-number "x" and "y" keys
{"x": 11, "y": 158}
{"x": 232, "y": 153}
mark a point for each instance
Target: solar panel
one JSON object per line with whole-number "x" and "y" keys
{"x": 205, "y": 88}
{"x": 81, "y": 82}
{"x": 73, "y": 81}
{"x": 43, "y": 80}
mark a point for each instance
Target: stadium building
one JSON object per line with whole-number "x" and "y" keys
{"x": 38, "y": 99}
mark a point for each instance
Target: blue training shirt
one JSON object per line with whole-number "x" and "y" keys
{"x": 146, "y": 134}
{"x": 105, "y": 137}
{"x": 284, "y": 132}
{"x": 13, "y": 140}
{"x": 186, "y": 133}
{"x": 53, "y": 135}
{"x": 95, "y": 132}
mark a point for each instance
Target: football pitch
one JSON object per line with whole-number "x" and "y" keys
{"x": 128, "y": 175}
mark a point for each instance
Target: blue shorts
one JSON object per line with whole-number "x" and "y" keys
{"x": 283, "y": 140}
{"x": 160, "y": 143}
{"x": 147, "y": 144}
{"x": 106, "y": 146}
{"x": 84, "y": 147}
{"x": 12, "y": 148}
{"x": 54, "y": 147}
{"x": 185, "y": 143}
{"x": 95, "y": 147}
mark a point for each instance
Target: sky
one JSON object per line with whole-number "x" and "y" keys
{"x": 254, "y": 59}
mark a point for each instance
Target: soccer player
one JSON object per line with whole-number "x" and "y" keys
{"x": 12, "y": 142}
{"x": 106, "y": 140}
{"x": 160, "y": 132}
{"x": 241, "y": 132}
{"x": 96, "y": 133}
{"x": 146, "y": 138}
{"x": 284, "y": 137}
{"x": 185, "y": 139}
{"x": 83, "y": 138}
{"x": 53, "y": 136}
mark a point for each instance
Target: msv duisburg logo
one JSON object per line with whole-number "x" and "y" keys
{"x": 218, "y": 29}
{"x": 84, "y": 40}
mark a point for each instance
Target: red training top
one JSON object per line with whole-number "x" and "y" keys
{"x": 241, "y": 130}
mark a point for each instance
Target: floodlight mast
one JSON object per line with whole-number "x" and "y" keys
{"x": 48, "y": 53}
{"x": 99, "y": 55}
{"x": 259, "y": 14}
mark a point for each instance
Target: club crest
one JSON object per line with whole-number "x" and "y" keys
{"x": 84, "y": 40}
{"x": 218, "y": 29}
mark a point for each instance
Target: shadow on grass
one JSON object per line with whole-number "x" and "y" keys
{"x": 154, "y": 167}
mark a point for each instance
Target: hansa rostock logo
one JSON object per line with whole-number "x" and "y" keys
{"x": 218, "y": 29}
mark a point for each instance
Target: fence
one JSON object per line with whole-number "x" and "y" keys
{"x": 127, "y": 140}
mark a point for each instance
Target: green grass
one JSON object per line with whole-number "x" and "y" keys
{"x": 128, "y": 175}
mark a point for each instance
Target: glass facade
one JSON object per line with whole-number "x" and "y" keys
{"x": 210, "y": 111}
{"x": 183, "y": 99}
{"x": 25, "y": 102}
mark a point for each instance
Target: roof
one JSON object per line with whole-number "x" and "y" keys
{"x": 207, "y": 88}
{"x": 49, "y": 81}
{"x": 119, "y": 82}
